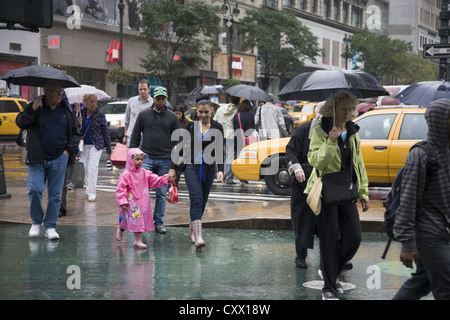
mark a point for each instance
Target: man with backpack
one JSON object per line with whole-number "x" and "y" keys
{"x": 422, "y": 221}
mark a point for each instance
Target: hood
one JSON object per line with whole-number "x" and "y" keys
{"x": 130, "y": 162}
{"x": 437, "y": 120}
{"x": 229, "y": 109}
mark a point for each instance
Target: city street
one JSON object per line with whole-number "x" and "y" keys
{"x": 249, "y": 254}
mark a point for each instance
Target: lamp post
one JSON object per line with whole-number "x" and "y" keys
{"x": 121, "y": 7}
{"x": 347, "y": 40}
{"x": 233, "y": 11}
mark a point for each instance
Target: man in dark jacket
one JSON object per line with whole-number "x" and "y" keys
{"x": 52, "y": 137}
{"x": 303, "y": 219}
{"x": 422, "y": 221}
{"x": 155, "y": 125}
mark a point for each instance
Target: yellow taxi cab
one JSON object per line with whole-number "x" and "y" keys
{"x": 302, "y": 112}
{"x": 387, "y": 135}
{"x": 9, "y": 109}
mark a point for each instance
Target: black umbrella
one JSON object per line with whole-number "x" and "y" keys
{"x": 208, "y": 90}
{"x": 248, "y": 92}
{"x": 37, "y": 76}
{"x": 422, "y": 93}
{"x": 320, "y": 84}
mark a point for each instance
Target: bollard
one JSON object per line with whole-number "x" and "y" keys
{"x": 3, "y": 193}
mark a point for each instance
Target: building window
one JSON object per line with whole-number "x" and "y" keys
{"x": 290, "y": 3}
{"x": 336, "y": 10}
{"x": 345, "y": 13}
{"x": 326, "y": 51}
{"x": 301, "y": 4}
{"x": 314, "y": 6}
{"x": 326, "y": 9}
{"x": 356, "y": 17}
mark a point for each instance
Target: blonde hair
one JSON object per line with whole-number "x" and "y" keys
{"x": 327, "y": 109}
{"x": 86, "y": 97}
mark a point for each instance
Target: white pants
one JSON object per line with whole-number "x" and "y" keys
{"x": 91, "y": 159}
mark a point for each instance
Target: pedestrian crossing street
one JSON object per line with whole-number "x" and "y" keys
{"x": 255, "y": 191}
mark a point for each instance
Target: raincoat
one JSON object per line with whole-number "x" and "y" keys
{"x": 324, "y": 155}
{"x": 133, "y": 189}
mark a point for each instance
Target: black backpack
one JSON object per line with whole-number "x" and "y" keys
{"x": 393, "y": 199}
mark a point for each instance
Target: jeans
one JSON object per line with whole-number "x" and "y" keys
{"x": 159, "y": 167}
{"x": 198, "y": 191}
{"x": 54, "y": 172}
{"x": 432, "y": 273}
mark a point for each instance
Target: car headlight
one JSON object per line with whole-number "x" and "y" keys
{"x": 115, "y": 123}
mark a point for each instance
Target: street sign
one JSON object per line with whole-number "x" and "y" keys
{"x": 432, "y": 51}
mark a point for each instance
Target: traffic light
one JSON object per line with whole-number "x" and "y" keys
{"x": 30, "y": 14}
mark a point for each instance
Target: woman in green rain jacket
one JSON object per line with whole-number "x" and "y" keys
{"x": 334, "y": 142}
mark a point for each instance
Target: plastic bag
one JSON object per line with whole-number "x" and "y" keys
{"x": 172, "y": 195}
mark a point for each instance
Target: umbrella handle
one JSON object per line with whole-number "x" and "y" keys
{"x": 334, "y": 113}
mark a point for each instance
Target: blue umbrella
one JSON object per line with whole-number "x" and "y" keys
{"x": 422, "y": 93}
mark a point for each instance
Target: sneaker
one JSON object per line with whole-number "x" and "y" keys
{"x": 160, "y": 229}
{"x": 51, "y": 234}
{"x": 328, "y": 295}
{"x": 91, "y": 198}
{"x": 339, "y": 288}
{"x": 35, "y": 230}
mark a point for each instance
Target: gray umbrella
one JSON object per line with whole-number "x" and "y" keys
{"x": 248, "y": 92}
{"x": 37, "y": 76}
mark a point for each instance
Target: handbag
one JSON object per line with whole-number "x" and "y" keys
{"x": 313, "y": 199}
{"x": 75, "y": 175}
{"x": 81, "y": 145}
{"x": 172, "y": 195}
{"x": 249, "y": 139}
{"x": 338, "y": 188}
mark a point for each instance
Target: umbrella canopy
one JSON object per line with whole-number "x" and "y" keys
{"x": 422, "y": 93}
{"x": 248, "y": 92}
{"x": 320, "y": 84}
{"x": 208, "y": 90}
{"x": 37, "y": 76}
{"x": 76, "y": 95}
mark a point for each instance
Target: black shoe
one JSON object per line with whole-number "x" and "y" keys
{"x": 160, "y": 229}
{"x": 62, "y": 214}
{"x": 300, "y": 262}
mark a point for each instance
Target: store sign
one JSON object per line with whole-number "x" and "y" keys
{"x": 114, "y": 51}
{"x": 237, "y": 65}
{"x": 54, "y": 42}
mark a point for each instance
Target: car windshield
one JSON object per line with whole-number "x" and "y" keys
{"x": 307, "y": 108}
{"x": 114, "y": 108}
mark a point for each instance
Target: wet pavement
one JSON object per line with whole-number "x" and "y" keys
{"x": 88, "y": 263}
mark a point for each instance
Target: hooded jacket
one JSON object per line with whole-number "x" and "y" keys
{"x": 132, "y": 189}
{"x": 224, "y": 115}
{"x": 424, "y": 201}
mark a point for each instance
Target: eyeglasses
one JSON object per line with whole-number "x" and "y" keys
{"x": 58, "y": 92}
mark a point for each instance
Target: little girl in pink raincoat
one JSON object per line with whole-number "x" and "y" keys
{"x": 133, "y": 197}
